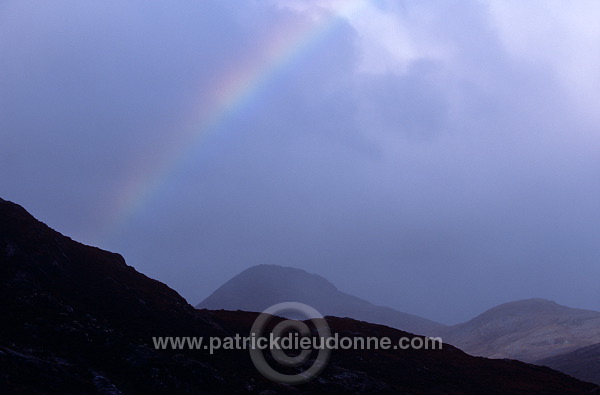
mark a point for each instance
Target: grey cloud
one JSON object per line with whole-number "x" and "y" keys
{"x": 467, "y": 174}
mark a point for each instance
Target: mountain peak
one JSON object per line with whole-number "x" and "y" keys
{"x": 275, "y": 276}
{"x": 259, "y": 287}
{"x": 530, "y": 305}
{"x": 528, "y": 330}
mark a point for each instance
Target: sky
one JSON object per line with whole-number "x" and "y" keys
{"x": 436, "y": 157}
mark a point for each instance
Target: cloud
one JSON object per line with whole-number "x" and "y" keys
{"x": 416, "y": 154}
{"x": 558, "y": 37}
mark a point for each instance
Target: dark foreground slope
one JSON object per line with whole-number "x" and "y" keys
{"x": 261, "y": 286}
{"x": 447, "y": 371}
{"x": 78, "y": 320}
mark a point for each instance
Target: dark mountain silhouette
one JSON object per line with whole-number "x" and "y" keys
{"x": 583, "y": 363}
{"x": 261, "y": 286}
{"x": 527, "y": 330}
{"x": 78, "y": 320}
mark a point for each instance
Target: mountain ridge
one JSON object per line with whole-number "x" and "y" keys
{"x": 261, "y": 286}
{"x": 77, "y": 319}
{"x": 527, "y": 330}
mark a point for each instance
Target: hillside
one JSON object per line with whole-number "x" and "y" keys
{"x": 583, "y": 363}
{"x": 527, "y": 330}
{"x": 79, "y": 320}
{"x": 261, "y": 286}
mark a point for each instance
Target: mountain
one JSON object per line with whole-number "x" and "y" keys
{"x": 583, "y": 363}
{"x": 418, "y": 371}
{"x": 527, "y": 330}
{"x": 79, "y": 320}
{"x": 261, "y": 286}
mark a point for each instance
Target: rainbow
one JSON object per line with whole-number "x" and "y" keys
{"x": 233, "y": 92}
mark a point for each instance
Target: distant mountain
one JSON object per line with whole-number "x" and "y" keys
{"x": 261, "y": 286}
{"x": 583, "y": 363}
{"x": 527, "y": 330}
{"x": 78, "y": 320}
